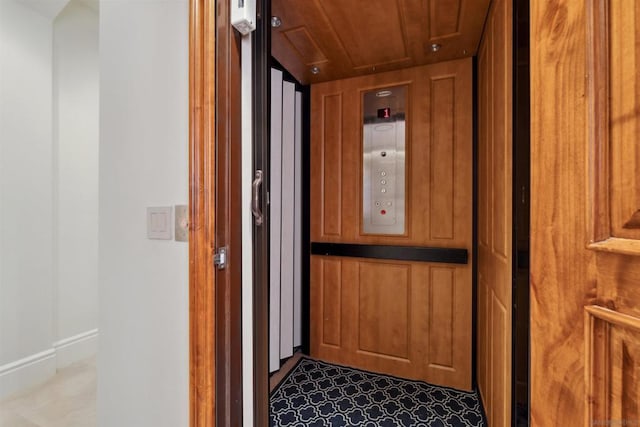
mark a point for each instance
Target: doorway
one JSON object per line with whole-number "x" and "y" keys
{"x": 515, "y": 375}
{"x": 49, "y": 196}
{"x": 434, "y": 48}
{"x": 449, "y": 228}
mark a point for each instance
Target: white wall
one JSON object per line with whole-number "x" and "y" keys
{"x": 143, "y": 361}
{"x": 48, "y": 189}
{"x": 76, "y": 115}
{"x": 26, "y": 243}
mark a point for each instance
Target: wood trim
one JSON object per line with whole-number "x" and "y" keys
{"x": 588, "y": 366}
{"x": 597, "y": 12}
{"x": 228, "y": 290}
{"x": 617, "y": 245}
{"x": 600, "y": 323}
{"x": 202, "y": 337}
{"x": 591, "y": 353}
{"x": 613, "y": 317}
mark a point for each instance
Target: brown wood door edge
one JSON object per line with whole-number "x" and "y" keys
{"x": 202, "y": 337}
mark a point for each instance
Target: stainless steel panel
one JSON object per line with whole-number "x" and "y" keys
{"x": 383, "y": 160}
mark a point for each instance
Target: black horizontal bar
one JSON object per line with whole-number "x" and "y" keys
{"x": 402, "y": 253}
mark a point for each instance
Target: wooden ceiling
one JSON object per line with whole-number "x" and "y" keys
{"x": 346, "y": 38}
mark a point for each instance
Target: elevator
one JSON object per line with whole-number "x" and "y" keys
{"x": 397, "y": 203}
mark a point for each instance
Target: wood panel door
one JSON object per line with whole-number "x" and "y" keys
{"x": 495, "y": 214}
{"x": 585, "y": 235}
{"x": 406, "y": 318}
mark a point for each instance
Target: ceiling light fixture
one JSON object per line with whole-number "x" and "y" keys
{"x": 315, "y": 70}
{"x": 435, "y": 47}
{"x": 276, "y": 21}
{"x": 383, "y": 93}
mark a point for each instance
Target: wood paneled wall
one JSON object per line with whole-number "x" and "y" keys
{"x": 408, "y": 319}
{"x": 495, "y": 214}
{"x": 585, "y": 272}
{"x": 439, "y": 153}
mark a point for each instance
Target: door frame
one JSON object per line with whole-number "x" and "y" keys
{"x": 215, "y": 324}
{"x": 215, "y": 313}
{"x": 202, "y": 157}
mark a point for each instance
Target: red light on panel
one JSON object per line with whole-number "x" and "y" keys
{"x": 384, "y": 113}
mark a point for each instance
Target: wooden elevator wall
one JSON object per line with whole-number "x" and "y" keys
{"x": 411, "y": 319}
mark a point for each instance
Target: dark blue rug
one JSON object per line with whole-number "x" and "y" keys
{"x": 320, "y": 394}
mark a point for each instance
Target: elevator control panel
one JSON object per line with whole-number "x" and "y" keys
{"x": 383, "y": 160}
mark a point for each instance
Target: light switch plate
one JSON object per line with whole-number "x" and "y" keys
{"x": 182, "y": 223}
{"x": 159, "y": 223}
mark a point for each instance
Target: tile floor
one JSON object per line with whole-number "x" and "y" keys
{"x": 69, "y": 398}
{"x": 66, "y": 400}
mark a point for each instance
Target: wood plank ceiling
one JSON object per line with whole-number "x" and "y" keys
{"x": 347, "y": 38}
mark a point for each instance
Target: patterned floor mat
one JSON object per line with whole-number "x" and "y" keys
{"x": 321, "y": 394}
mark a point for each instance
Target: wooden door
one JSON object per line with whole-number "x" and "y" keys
{"x": 495, "y": 214}
{"x": 585, "y": 235}
{"x": 406, "y": 318}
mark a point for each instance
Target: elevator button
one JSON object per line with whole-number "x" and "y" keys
{"x": 378, "y": 204}
{"x": 383, "y": 182}
{"x": 388, "y": 203}
{"x": 383, "y": 212}
{"x": 383, "y": 173}
{"x": 384, "y": 190}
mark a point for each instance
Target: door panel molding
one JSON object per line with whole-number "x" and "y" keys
{"x": 331, "y": 165}
{"x": 612, "y": 123}
{"x": 612, "y": 368}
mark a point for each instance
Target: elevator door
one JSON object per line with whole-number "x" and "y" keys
{"x": 391, "y": 228}
{"x": 495, "y": 214}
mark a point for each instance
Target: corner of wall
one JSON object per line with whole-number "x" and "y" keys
{"x": 40, "y": 367}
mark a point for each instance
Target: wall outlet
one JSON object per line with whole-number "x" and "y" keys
{"x": 182, "y": 223}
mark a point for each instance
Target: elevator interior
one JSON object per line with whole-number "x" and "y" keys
{"x": 389, "y": 198}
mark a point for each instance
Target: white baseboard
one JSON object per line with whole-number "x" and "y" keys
{"x": 76, "y": 348}
{"x": 27, "y": 372}
{"x": 37, "y": 368}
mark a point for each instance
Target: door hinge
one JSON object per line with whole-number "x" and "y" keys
{"x": 243, "y": 15}
{"x": 220, "y": 258}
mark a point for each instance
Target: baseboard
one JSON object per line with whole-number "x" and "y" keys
{"x": 37, "y": 368}
{"x": 76, "y": 348}
{"x": 27, "y": 372}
